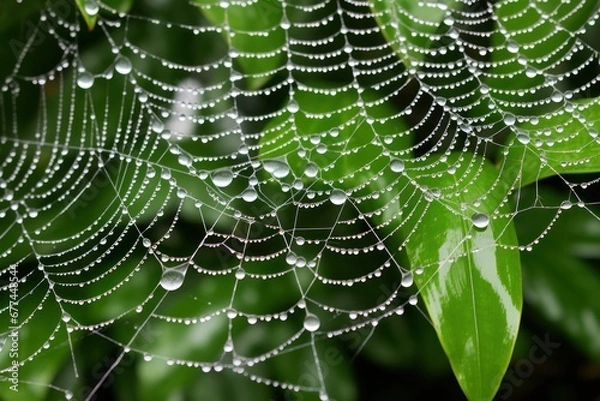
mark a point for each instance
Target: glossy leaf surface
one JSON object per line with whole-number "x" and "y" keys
{"x": 471, "y": 280}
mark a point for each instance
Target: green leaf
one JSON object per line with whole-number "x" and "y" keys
{"x": 87, "y": 7}
{"x": 565, "y": 142}
{"x": 563, "y": 288}
{"x": 471, "y": 280}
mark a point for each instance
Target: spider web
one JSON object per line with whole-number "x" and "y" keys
{"x": 223, "y": 182}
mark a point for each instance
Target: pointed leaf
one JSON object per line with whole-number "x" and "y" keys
{"x": 471, "y": 280}
{"x": 87, "y": 7}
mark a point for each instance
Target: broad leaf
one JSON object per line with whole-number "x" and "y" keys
{"x": 471, "y": 280}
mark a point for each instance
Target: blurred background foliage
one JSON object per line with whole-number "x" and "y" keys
{"x": 399, "y": 359}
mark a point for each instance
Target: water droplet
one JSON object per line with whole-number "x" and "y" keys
{"x": 222, "y": 178}
{"x": 338, "y": 197}
{"x": 278, "y": 168}
{"x": 123, "y": 65}
{"x": 66, "y": 317}
{"x": 512, "y": 47}
{"x": 293, "y": 107}
{"x": 407, "y": 280}
{"x": 156, "y": 125}
{"x": 311, "y": 322}
{"x": 240, "y": 274}
{"x": 523, "y": 138}
{"x": 2, "y": 342}
{"x": 91, "y": 7}
{"x": 480, "y": 220}
{"x": 510, "y": 119}
{"x": 530, "y": 72}
{"x": 397, "y": 165}
{"x": 565, "y": 205}
{"x": 85, "y": 80}
{"x": 557, "y": 97}
{"x": 291, "y": 259}
{"x": 249, "y": 195}
{"x": 311, "y": 170}
{"x": 185, "y": 160}
{"x": 172, "y": 279}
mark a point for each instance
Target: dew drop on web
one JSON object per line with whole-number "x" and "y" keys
{"x": 397, "y": 165}
{"x": 91, "y": 7}
{"x": 222, "y": 178}
{"x": 311, "y": 322}
{"x": 338, "y": 197}
{"x": 480, "y": 220}
{"x": 85, "y": 80}
{"x": 123, "y": 65}
{"x": 172, "y": 279}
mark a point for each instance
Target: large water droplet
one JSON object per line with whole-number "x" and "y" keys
{"x": 523, "y": 138}
{"x": 311, "y": 170}
{"x": 277, "y": 168}
{"x": 172, "y": 279}
{"x": 185, "y": 160}
{"x": 565, "y": 205}
{"x": 123, "y": 65}
{"x": 156, "y": 125}
{"x": 512, "y": 47}
{"x": 480, "y": 220}
{"x": 249, "y": 195}
{"x": 91, "y": 7}
{"x": 338, "y": 197}
{"x": 311, "y": 322}
{"x": 222, "y": 178}
{"x": 293, "y": 107}
{"x": 407, "y": 280}
{"x": 510, "y": 119}
{"x": 85, "y": 80}
{"x": 397, "y": 165}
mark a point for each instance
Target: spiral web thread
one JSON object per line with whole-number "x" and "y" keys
{"x": 221, "y": 190}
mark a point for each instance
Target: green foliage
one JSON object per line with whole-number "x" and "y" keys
{"x": 453, "y": 217}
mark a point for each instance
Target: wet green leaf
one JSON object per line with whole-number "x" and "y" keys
{"x": 471, "y": 280}
{"x": 89, "y": 12}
